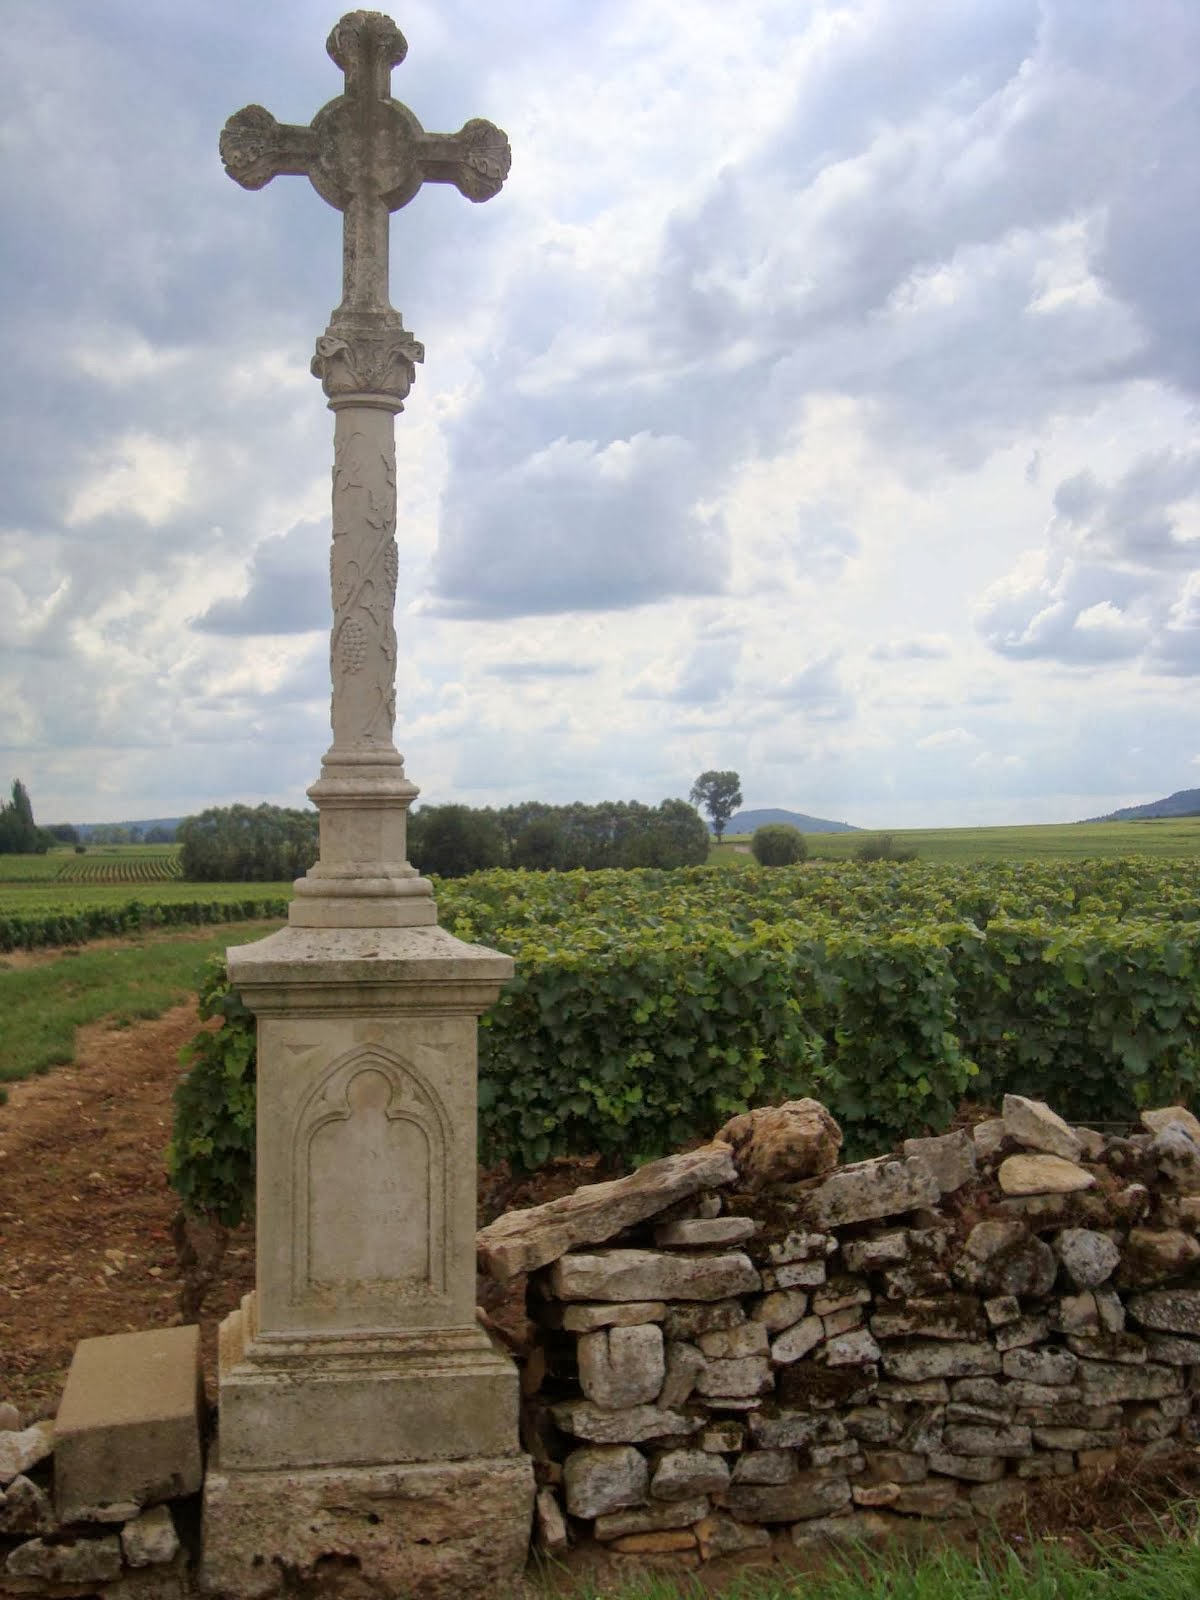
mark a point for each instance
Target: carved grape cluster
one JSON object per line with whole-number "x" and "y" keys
{"x": 352, "y": 646}
{"x": 391, "y": 566}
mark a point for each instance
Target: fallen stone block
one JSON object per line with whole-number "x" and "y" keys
{"x": 1032, "y": 1124}
{"x": 652, "y": 1275}
{"x": 128, "y": 1428}
{"x": 871, "y": 1190}
{"x": 1043, "y": 1174}
{"x": 783, "y": 1144}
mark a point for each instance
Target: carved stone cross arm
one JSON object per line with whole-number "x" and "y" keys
{"x": 365, "y": 153}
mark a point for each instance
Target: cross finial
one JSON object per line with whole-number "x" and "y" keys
{"x": 367, "y": 155}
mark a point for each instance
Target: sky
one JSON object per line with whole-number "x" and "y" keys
{"x": 818, "y": 400}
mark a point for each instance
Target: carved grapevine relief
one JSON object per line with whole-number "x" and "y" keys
{"x": 363, "y": 567}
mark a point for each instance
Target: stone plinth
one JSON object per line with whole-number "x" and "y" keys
{"x": 356, "y": 1374}
{"x": 128, "y": 1428}
{"x": 444, "y": 1531}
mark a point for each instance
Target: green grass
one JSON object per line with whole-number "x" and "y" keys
{"x": 48, "y": 897}
{"x": 1166, "y": 1569}
{"x": 41, "y": 1005}
{"x": 1166, "y": 838}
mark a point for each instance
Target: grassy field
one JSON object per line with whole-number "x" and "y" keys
{"x": 1169, "y": 837}
{"x": 43, "y": 1002}
{"x": 111, "y": 875}
{"x": 1166, "y": 1569}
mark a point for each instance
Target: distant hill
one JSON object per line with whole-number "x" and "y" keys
{"x": 747, "y": 821}
{"x": 1183, "y": 803}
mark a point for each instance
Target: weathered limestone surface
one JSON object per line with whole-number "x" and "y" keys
{"x": 603, "y": 1478}
{"x": 873, "y": 1189}
{"x": 446, "y": 1531}
{"x": 1033, "y": 1124}
{"x": 128, "y": 1428}
{"x": 1043, "y": 1174}
{"x": 651, "y": 1275}
{"x": 522, "y": 1241}
{"x": 24, "y": 1448}
{"x": 622, "y": 1366}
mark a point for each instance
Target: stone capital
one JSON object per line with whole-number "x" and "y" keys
{"x": 365, "y": 358}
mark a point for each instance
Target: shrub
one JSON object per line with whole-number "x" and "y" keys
{"x": 883, "y": 847}
{"x": 778, "y": 844}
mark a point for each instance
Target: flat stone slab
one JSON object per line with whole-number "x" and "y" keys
{"x": 522, "y": 1241}
{"x": 128, "y": 1428}
{"x": 652, "y": 1275}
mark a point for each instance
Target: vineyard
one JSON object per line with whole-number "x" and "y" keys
{"x": 648, "y": 1006}
{"x": 133, "y": 865}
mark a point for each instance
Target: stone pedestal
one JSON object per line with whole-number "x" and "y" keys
{"x": 356, "y": 1375}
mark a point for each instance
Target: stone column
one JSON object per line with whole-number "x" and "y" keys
{"x": 366, "y": 1420}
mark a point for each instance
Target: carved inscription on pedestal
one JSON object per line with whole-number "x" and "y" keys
{"x": 370, "y": 1183}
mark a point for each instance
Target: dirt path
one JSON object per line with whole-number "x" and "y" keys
{"x": 85, "y": 1208}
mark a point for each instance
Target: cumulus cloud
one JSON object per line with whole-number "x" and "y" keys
{"x": 285, "y": 591}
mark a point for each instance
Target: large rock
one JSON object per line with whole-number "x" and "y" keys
{"x": 1043, "y": 1174}
{"x": 650, "y": 1519}
{"x": 1091, "y": 1258}
{"x": 783, "y": 1144}
{"x": 622, "y": 1366}
{"x": 605, "y": 1478}
{"x": 150, "y": 1540}
{"x": 1168, "y": 1310}
{"x": 742, "y": 1378}
{"x": 1032, "y": 1124}
{"x": 1177, "y": 1157}
{"x": 1002, "y": 1258}
{"x": 522, "y": 1241}
{"x": 683, "y": 1474}
{"x": 947, "y": 1317}
{"x": 25, "y": 1508}
{"x": 1106, "y": 1383}
{"x": 651, "y": 1275}
{"x": 873, "y": 1189}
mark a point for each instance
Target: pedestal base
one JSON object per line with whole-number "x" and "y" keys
{"x": 448, "y": 1531}
{"x": 438, "y": 1394}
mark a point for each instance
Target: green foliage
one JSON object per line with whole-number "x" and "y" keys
{"x": 210, "y": 1159}
{"x": 19, "y": 833}
{"x": 720, "y": 793}
{"x": 77, "y": 925}
{"x": 450, "y": 841}
{"x": 778, "y": 844}
{"x": 247, "y": 844}
{"x": 882, "y": 847}
{"x": 648, "y": 1006}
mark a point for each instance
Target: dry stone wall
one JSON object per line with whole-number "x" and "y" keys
{"x": 750, "y": 1342}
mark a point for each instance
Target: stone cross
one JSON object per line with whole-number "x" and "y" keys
{"x": 367, "y": 155}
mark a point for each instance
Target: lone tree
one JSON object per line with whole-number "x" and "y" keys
{"x": 720, "y": 794}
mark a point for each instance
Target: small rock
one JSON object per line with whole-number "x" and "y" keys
{"x": 937, "y": 1497}
{"x": 1128, "y": 1348}
{"x": 1078, "y": 1313}
{"x": 150, "y": 1538}
{"x": 794, "y": 1275}
{"x": 1178, "y": 1158}
{"x": 1168, "y": 1116}
{"x": 1110, "y": 1384}
{"x": 22, "y": 1450}
{"x": 684, "y": 1365}
{"x": 1024, "y": 1331}
{"x": 68, "y": 1561}
{"x": 1051, "y": 1367}
{"x": 809, "y": 1494}
{"x": 859, "y": 1528}
{"x": 1001, "y": 1309}
{"x": 695, "y": 1231}
{"x": 839, "y": 1294}
{"x": 919, "y": 1361}
{"x": 586, "y": 1318}
{"x": 676, "y": 1543}
{"x": 621, "y": 1367}
{"x": 1091, "y": 1258}
{"x": 1043, "y": 1174}
{"x": 780, "y": 1309}
{"x": 783, "y": 1144}
{"x": 24, "y": 1508}
{"x": 650, "y": 1519}
{"x": 871, "y": 1190}
{"x": 683, "y": 1474}
{"x": 1110, "y": 1308}
{"x": 766, "y": 1466}
{"x": 796, "y": 1342}
{"x": 723, "y": 1438}
{"x": 10, "y": 1417}
{"x": 970, "y": 1469}
{"x": 605, "y": 1479}
{"x": 800, "y": 1245}
{"x": 855, "y": 1349}
{"x": 722, "y": 1536}
{"x": 949, "y": 1317}
{"x": 988, "y": 1136}
{"x": 967, "y": 1439}
{"x": 876, "y": 1495}
{"x": 748, "y": 1339}
{"x": 1168, "y": 1310}
{"x": 869, "y": 1255}
{"x": 651, "y": 1275}
{"x": 1002, "y": 1258}
{"x": 550, "y": 1524}
{"x": 688, "y": 1322}
{"x": 950, "y": 1157}
{"x": 584, "y": 1419}
{"x": 1032, "y": 1124}
{"x": 746, "y": 1376}
{"x": 795, "y": 1430}
{"x": 1153, "y": 1255}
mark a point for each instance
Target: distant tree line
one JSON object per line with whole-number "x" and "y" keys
{"x": 452, "y": 840}
{"x": 265, "y": 844}
{"x": 247, "y": 844}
